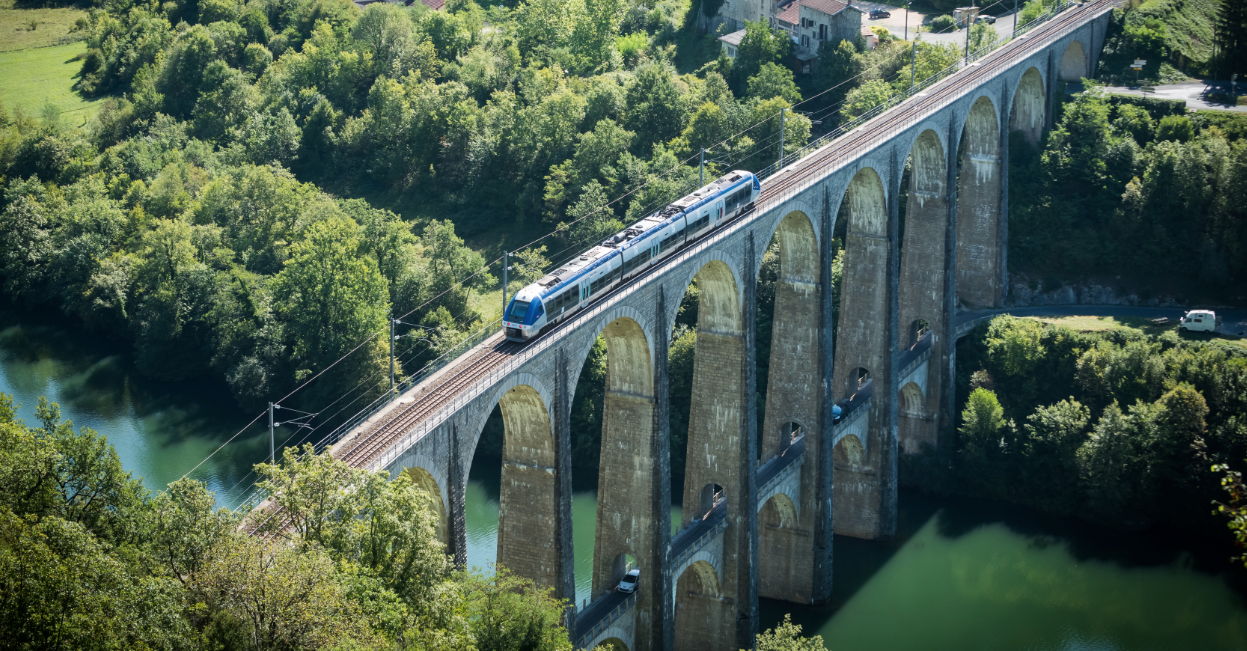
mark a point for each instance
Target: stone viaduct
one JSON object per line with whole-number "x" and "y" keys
{"x": 759, "y": 508}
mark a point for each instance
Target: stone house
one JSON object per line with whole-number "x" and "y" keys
{"x": 808, "y": 23}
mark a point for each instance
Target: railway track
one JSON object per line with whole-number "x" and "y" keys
{"x": 496, "y": 351}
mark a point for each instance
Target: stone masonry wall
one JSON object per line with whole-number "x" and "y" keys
{"x": 978, "y": 210}
{"x": 922, "y": 279}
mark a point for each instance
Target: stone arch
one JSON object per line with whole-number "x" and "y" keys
{"x": 715, "y": 410}
{"x": 629, "y": 367}
{"x": 855, "y": 380}
{"x": 863, "y": 342}
{"x": 911, "y": 400}
{"x": 979, "y": 249}
{"x": 528, "y": 504}
{"x": 1073, "y": 62}
{"x": 626, "y": 475}
{"x": 586, "y": 337}
{"x": 424, "y": 480}
{"x": 612, "y": 643}
{"x": 620, "y": 565}
{"x": 918, "y": 328}
{"x": 1027, "y": 112}
{"x": 795, "y": 372}
{"x": 868, "y": 210}
{"x": 779, "y": 512}
{"x": 718, "y": 308}
{"x": 700, "y": 609}
{"x": 849, "y": 452}
{"x": 707, "y": 497}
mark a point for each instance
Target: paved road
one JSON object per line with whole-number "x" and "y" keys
{"x": 1194, "y": 92}
{"x": 897, "y": 25}
{"x": 1233, "y": 322}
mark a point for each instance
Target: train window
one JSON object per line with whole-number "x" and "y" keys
{"x": 519, "y": 310}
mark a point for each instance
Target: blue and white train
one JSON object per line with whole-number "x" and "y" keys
{"x": 568, "y": 289}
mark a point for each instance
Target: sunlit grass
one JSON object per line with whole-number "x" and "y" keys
{"x": 50, "y": 26}
{"x": 29, "y": 79}
{"x": 1106, "y": 323}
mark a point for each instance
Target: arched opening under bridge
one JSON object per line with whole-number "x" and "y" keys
{"x": 704, "y": 617}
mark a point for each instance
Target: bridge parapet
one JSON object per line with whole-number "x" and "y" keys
{"x": 601, "y": 620}
{"x": 782, "y": 474}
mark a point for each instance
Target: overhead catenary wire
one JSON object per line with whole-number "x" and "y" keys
{"x": 758, "y": 148}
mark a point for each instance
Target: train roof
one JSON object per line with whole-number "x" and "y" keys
{"x": 700, "y": 195}
{"x": 583, "y": 262}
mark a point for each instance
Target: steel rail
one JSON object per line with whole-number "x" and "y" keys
{"x": 488, "y": 362}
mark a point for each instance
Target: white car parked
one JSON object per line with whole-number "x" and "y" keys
{"x": 1199, "y": 321}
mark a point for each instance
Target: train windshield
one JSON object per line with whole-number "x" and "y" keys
{"x": 519, "y": 310}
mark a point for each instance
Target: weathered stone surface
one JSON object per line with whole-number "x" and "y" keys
{"x": 793, "y": 396}
{"x": 861, "y": 347}
{"x": 978, "y": 211}
{"x": 922, "y": 286}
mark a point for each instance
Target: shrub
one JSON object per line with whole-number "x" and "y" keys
{"x": 943, "y": 23}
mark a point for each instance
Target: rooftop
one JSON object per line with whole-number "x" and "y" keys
{"x": 734, "y": 38}
{"x": 791, "y": 12}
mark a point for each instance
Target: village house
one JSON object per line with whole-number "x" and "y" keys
{"x": 808, "y": 23}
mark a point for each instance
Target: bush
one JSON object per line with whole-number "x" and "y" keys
{"x": 943, "y": 23}
{"x": 1176, "y": 128}
{"x": 631, "y": 47}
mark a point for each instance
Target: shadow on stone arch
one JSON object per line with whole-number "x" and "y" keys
{"x": 702, "y": 615}
{"x": 426, "y": 483}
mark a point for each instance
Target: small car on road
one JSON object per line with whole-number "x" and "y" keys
{"x": 876, "y": 14}
{"x": 629, "y": 582}
{"x": 990, "y": 20}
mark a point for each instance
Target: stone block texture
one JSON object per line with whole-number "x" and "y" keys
{"x": 978, "y": 210}
{"x": 922, "y": 286}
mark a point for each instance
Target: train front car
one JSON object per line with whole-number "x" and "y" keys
{"x": 526, "y": 315}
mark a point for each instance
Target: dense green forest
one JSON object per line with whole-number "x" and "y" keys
{"x": 90, "y": 560}
{"x": 1136, "y": 194}
{"x": 1119, "y": 428}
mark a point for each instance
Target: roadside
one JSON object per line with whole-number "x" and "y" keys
{"x": 901, "y": 27}
{"x": 1106, "y": 317}
{"x": 1194, "y": 93}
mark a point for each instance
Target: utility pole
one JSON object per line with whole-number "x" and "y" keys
{"x": 701, "y": 169}
{"x": 905, "y": 34}
{"x": 781, "y": 137}
{"x": 1015, "y": 18}
{"x": 913, "y": 65}
{"x": 272, "y": 449}
{"x": 393, "y": 322}
{"x": 506, "y": 264}
{"x": 968, "y": 24}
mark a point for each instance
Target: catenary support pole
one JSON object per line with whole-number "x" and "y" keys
{"x": 701, "y": 169}
{"x": 913, "y": 65}
{"x": 968, "y": 26}
{"x": 1015, "y": 18}
{"x": 392, "y": 324}
{"x": 781, "y": 137}
{"x": 272, "y": 448}
{"x": 506, "y": 265}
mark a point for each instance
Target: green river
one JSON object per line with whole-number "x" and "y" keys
{"x": 960, "y": 575}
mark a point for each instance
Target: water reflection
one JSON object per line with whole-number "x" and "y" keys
{"x": 974, "y": 574}
{"x": 160, "y": 429}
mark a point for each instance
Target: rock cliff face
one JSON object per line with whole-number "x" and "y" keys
{"x": 1025, "y": 293}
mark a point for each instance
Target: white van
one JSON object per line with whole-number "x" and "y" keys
{"x": 1199, "y": 321}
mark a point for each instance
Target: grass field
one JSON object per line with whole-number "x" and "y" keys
{"x": 31, "y": 78}
{"x": 1105, "y": 323}
{"x": 51, "y": 26}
